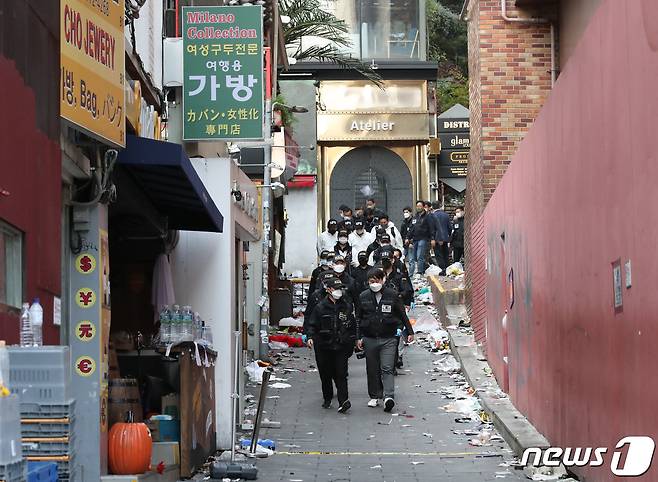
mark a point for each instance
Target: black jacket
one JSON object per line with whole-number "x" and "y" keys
{"x": 345, "y": 253}
{"x": 360, "y": 275}
{"x": 350, "y": 292}
{"x": 313, "y": 285}
{"x": 402, "y": 285}
{"x": 423, "y": 227}
{"x": 372, "y": 247}
{"x": 384, "y": 318}
{"x": 313, "y": 301}
{"x": 457, "y": 236}
{"x": 332, "y": 325}
{"x": 405, "y": 228}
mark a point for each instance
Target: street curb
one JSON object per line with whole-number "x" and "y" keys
{"x": 517, "y": 431}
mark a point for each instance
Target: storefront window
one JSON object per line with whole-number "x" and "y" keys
{"x": 11, "y": 265}
{"x": 382, "y": 29}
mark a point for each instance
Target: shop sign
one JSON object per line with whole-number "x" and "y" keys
{"x": 453, "y": 125}
{"x": 85, "y": 331}
{"x": 455, "y": 140}
{"x": 222, "y": 73}
{"x": 340, "y": 126}
{"x": 453, "y": 171}
{"x": 92, "y": 68}
{"x": 85, "y": 263}
{"x": 85, "y": 298}
{"x": 85, "y": 366}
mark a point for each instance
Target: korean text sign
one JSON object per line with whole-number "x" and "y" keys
{"x": 222, "y": 73}
{"x": 92, "y": 67}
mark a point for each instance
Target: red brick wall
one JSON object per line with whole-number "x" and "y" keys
{"x": 509, "y": 81}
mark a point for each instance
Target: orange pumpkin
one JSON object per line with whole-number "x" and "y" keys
{"x": 130, "y": 446}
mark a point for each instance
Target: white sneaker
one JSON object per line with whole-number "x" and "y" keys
{"x": 373, "y": 403}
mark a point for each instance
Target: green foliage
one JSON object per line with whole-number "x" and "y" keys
{"x": 308, "y": 19}
{"x": 287, "y": 117}
{"x": 448, "y": 45}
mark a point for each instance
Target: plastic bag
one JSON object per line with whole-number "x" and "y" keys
{"x": 424, "y": 322}
{"x": 447, "y": 364}
{"x": 433, "y": 270}
{"x": 255, "y": 372}
{"x": 455, "y": 269}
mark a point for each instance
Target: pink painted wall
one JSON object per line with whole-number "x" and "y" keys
{"x": 581, "y": 192}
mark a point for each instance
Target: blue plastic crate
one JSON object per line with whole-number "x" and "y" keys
{"x": 41, "y": 472}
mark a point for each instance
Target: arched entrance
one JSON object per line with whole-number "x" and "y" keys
{"x": 371, "y": 171}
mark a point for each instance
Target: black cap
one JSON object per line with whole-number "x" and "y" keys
{"x": 335, "y": 283}
{"x": 332, "y": 222}
{"x": 325, "y": 276}
{"x": 386, "y": 254}
{"x": 338, "y": 257}
{"x": 324, "y": 253}
{"x": 342, "y": 232}
{"x": 358, "y": 223}
{"x": 330, "y": 255}
{"x": 386, "y": 237}
{"x": 362, "y": 254}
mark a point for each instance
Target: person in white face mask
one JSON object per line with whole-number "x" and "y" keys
{"x": 343, "y": 247}
{"x": 457, "y": 235}
{"x": 380, "y": 315}
{"x": 359, "y": 240}
{"x": 331, "y": 332}
{"x": 341, "y": 268}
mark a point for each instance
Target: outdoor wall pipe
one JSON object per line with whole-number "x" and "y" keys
{"x": 531, "y": 20}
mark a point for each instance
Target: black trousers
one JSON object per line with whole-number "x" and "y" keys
{"x": 457, "y": 254}
{"x": 332, "y": 366}
{"x": 442, "y": 255}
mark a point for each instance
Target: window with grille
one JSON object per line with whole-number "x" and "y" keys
{"x": 11, "y": 265}
{"x": 370, "y": 184}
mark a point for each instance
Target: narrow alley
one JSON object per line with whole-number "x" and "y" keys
{"x": 418, "y": 441}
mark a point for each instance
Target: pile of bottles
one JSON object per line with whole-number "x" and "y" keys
{"x": 31, "y": 328}
{"x": 178, "y": 326}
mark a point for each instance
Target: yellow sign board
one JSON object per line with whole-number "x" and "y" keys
{"x": 92, "y": 67}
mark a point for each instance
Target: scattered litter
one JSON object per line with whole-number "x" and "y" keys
{"x": 290, "y": 321}
{"x": 417, "y": 462}
{"x": 280, "y": 385}
{"x": 428, "y": 435}
{"x": 309, "y": 433}
{"x": 292, "y": 446}
{"x": 255, "y": 372}
{"x": 273, "y": 397}
{"x": 376, "y": 467}
{"x": 455, "y": 269}
{"x": 406, "y": 425}
{"x": 433, "y": 270}
{"x": 447, "y": 364}
{"x": 467, "y": 406}
{"x": 371, "y": 436}
{"x": 385, "y": 423}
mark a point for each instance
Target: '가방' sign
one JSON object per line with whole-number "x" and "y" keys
{"x": 222, "y": 73}
{"x": 92, "y": 68}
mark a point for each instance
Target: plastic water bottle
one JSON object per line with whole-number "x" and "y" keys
{"x": 36, "y": 318}
{"x": 198, "y": 328}
{"x": 176, "y": 325}
{"x": 207, "y": 334}
{"x": 187, "y": 333}
{"x": 27, "y": 336}
{"x": 165, "y": 325}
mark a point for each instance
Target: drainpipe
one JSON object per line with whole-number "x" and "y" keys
{"x": 533, "y": 20}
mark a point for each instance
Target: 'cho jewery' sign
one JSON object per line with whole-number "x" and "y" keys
{"x": 222, "y": 73}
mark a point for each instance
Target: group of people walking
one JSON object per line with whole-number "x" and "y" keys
{"x": 361, "y": 292}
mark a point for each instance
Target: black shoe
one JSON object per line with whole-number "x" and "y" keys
{"x": 344, "y": 407}
{"x": 326, "y": 404}
{"x": 389, "y": 403}
{"x": 399, "y": 363}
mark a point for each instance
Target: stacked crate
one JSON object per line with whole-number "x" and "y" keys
{"x": 12, "y": 465}
{"x": 41, "y": 376}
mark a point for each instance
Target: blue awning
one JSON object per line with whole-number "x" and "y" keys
{"x": 165, "y": 173}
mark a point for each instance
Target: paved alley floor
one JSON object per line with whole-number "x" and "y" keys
{"x": 415, "y": 442}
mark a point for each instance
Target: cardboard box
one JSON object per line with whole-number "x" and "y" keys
{"x": 164, "y": 430}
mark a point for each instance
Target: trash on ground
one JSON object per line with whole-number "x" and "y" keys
{"x": 433, "y": 270}
{"x": 255, "y": 372}
{"x": 455, "y": 269}
{"x": 447, "y": 364}
{"x": 428, "y": 435}
{"x": 280, "y": 385}
{"x": 376, "y": 467}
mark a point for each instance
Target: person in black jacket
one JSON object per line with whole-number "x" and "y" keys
{"x": 340, "y": 268}
{"x": 360, "y": 272}
{"x": 457, "y": 236}
{"x": 332, "y": 333}
{"x": 423, "y": 231}
{"x": 317, "y": 296}
{"x": 407, "y": 219}
{"x": 323, "y": 266}
{"x": 377, "y": 242}
{"x": 381, "y": 314}
{"x": 343, "y": 247}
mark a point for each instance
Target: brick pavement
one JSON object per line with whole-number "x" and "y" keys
{"x": 368, "y": 444}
